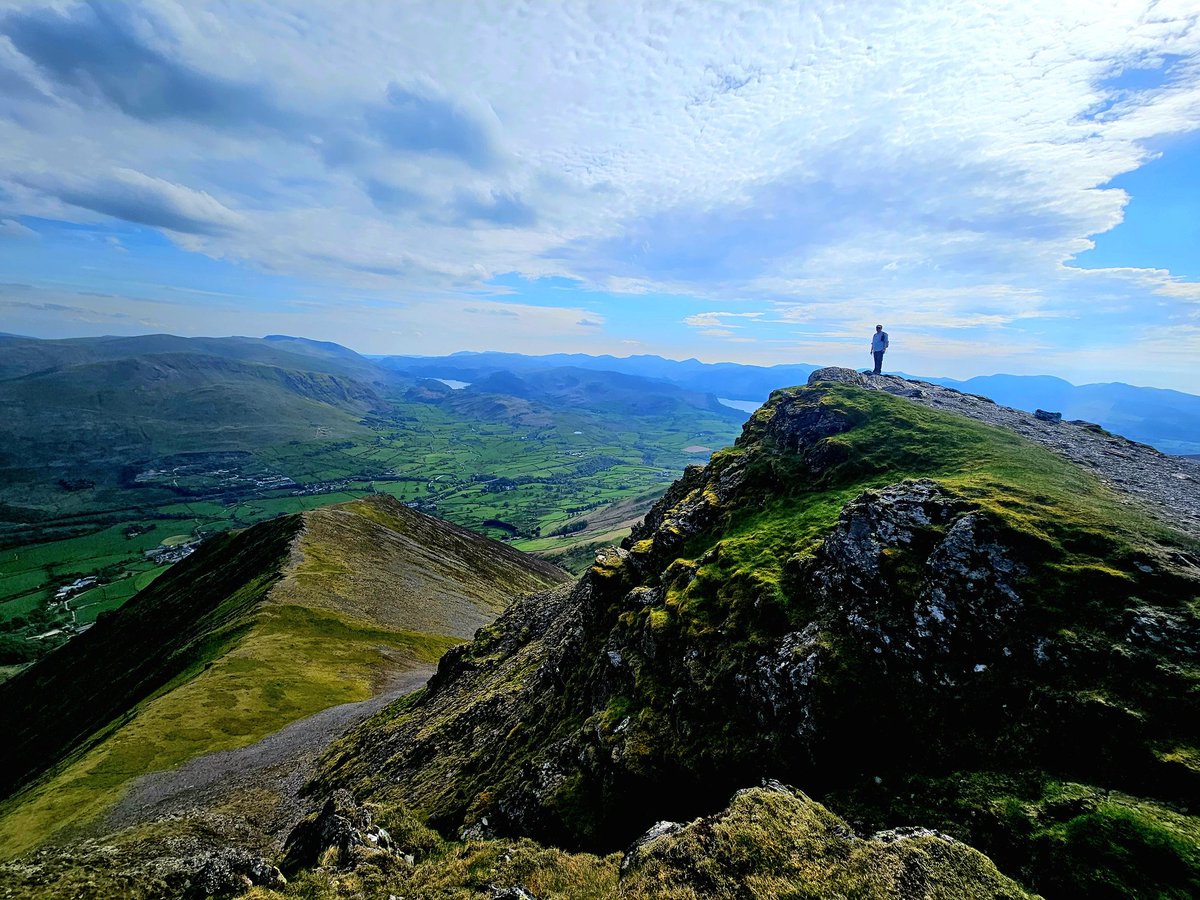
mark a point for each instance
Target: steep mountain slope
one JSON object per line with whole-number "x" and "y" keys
{"x": 923, "y": 618}
{"x": 256, "y": 630}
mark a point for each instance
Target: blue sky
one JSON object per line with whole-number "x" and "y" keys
{"x": 1015, "y": 191}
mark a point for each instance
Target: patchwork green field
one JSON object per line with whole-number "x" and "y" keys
{"x": 512, "y": 481}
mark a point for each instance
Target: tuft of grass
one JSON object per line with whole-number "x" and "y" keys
{"x": 1063, "y": 839}
{"x": 765, "y": 844}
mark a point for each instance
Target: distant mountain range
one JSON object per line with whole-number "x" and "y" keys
{"x": 729, "y": 380}
{"x": 1165, "y": 419}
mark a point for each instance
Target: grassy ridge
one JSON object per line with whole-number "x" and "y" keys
{"x": 290, "y": 663}
{"x": 255, "y": 631}
{"x": 179, "y": 623}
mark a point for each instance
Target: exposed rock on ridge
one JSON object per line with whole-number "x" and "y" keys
{"x": 1167, "y": 486}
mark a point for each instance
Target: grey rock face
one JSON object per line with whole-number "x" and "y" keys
{"x": 644, "y": 843}
{"x": 1047, "y": 416}
{"x": 837, "y": 375}
{"x": 799, "y": 426}
{"x": 341, "y": 834}
{"x": 514, "y": 892}
{"x": 229, "y": 872}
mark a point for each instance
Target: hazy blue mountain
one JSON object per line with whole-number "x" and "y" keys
{"x": 731, "y": 380}
{"x": 25, "y": 356}
{"x": 1168, "y": 420}
{"x": 599, "y": 390}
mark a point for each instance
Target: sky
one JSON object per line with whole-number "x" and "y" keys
{"x": 1005, "y": 186}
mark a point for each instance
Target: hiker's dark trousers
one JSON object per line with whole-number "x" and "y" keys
{"x": 878, "y": 354}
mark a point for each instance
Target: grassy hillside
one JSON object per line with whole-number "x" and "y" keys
{"x": 122, "y": 453}
{"x": 169, "y": 631}
{"x": 87, "y": 421}
{"x": 257, "y": 630}
{"x": 924, "y": 619}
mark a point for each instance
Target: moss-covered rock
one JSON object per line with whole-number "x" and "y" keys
{"x": 775, "y": 842}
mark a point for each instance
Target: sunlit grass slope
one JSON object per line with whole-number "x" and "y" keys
{"x": 257, "y": 630}
{"x": 1079, "y": 530}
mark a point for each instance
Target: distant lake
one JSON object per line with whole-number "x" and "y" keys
{"x": 451, "y": 383}
{"x": 743, "y": 405}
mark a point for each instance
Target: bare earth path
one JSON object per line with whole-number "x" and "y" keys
{"x": 271, "y": 772}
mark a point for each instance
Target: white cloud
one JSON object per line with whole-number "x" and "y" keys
{"x": 135, "y": 197}
{"x": 808, "y": 167}
{"x": 718, "y": 320}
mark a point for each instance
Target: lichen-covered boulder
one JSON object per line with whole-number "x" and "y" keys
{"x": 773, "y": 841}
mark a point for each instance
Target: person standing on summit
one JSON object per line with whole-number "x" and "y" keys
{"x": 879, "y": 345}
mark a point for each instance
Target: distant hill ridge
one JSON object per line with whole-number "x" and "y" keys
{"x": 1169, "y": 420}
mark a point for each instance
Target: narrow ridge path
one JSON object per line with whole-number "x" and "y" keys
{"x": 274, "y": 769}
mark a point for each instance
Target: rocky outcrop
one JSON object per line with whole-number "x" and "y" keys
{"x": 924, "y": 579}
{"x": 1167, "y": 487}
{"x": 816, "y": 603}
{"x": 342, "y": 835}
{"x": 189, "y": 866}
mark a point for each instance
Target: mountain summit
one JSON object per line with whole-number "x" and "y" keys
{"x": 924, "y": 618}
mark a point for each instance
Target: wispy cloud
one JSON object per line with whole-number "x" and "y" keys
{"x": 10, "y": 228}
{"x": 136, "y": 197}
